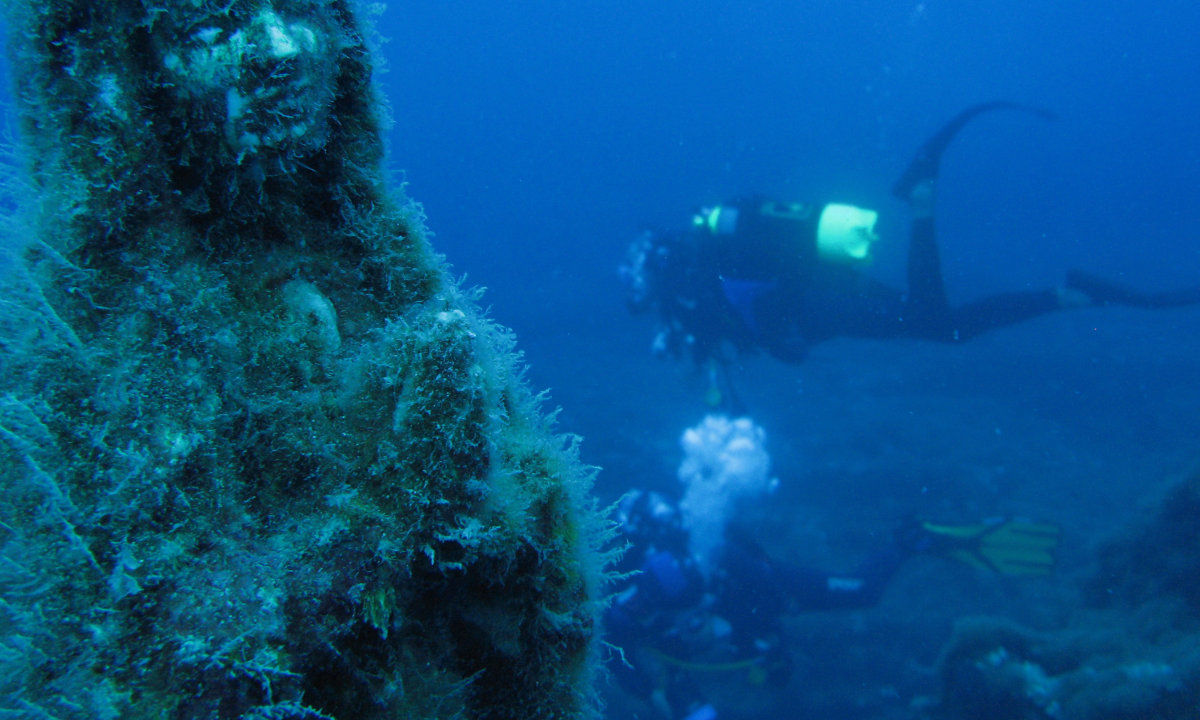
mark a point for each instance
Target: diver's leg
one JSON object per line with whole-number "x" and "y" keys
{"x": 1005, "y": 309}
{"x": 1099, "y": 291}
{"x": 1081, "y": 290}
{"x": 928, "y": 312}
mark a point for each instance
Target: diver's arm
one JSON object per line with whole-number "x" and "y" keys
{"x": 756, "y": 574}
{"x": 816, "y": 591}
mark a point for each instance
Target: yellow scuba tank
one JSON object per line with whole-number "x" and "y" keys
{"x": 845, "y": 233}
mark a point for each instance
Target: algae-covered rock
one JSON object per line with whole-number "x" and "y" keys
{"x": 260, "y": 457}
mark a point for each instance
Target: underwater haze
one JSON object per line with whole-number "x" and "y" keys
{"x": 542, "y": 137}
{"x": 548, "y": 134}
{"x": 551, "y": 133}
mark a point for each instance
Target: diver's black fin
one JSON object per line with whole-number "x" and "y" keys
{"x": 924, "y": 165}
{"x": 1101, "y": 291}
{"x": 1107, "y": 292}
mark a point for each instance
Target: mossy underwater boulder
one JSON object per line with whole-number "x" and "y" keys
{"x": 261, "y": 457}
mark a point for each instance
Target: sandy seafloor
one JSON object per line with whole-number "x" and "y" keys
{"x": 1080, "y": 418}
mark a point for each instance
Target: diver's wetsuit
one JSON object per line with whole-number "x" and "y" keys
{"x": 761, "y": 587}
{"x": 749, "y": 589}
{"x": 667, "y": 619}
{"x": 676, "y": 623}
{"x": 761, "y": 282}
{"x": 835, "y": 301}
{"x": 782, "y": 297}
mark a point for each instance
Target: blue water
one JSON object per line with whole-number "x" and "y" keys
{"x": 540, "y": 136}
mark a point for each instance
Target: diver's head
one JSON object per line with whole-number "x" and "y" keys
{"x": 716, "y": 219}
{"x": 649, "y": 519}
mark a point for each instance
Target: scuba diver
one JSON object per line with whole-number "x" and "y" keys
{"x": 784, "y": 276}
{"x": 675, "y": 625}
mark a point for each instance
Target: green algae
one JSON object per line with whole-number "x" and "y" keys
{"x": 261, "y": 457}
